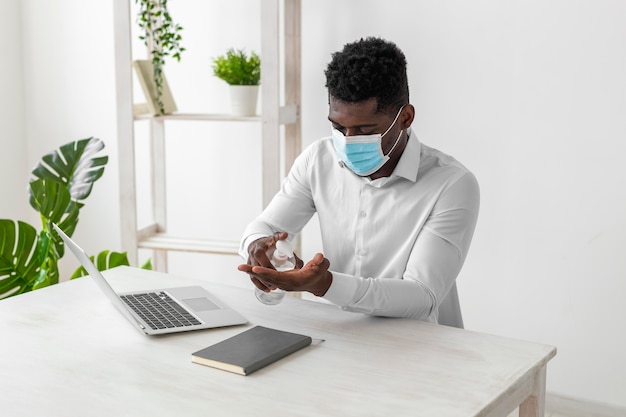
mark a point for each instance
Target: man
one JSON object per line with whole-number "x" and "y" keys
{"x": 396, "y": 216}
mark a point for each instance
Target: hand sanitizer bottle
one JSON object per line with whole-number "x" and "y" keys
{"x": 283, "y": 260}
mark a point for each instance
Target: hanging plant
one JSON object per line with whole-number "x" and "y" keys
{"x": 162, "y": 37}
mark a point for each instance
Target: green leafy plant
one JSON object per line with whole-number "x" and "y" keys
{"x": 237, "y": 68}
{"x": 162, "y": 37}
{"x": 60, "y": 183}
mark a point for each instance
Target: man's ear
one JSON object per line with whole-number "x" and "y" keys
{"x": 407, "y": 116}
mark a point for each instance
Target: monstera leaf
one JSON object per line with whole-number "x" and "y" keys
{"x": 53, "y": 200}
{"x": 19, "y": 257}
{"x": 59, "y": 182}
{"x": 74, "y": 165}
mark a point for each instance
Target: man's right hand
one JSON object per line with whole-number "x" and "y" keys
{"x": 257, "y": 256}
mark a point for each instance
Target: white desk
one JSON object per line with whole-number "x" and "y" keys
{"x": 54, "y": 363}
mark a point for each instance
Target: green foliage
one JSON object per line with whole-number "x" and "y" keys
{"x": 237, "y": 68}
{"x": 107, "y": 260}
{"x": 19, "y": 257}
{"x": 59, "y": 183}
{"x": 162, "y": 37}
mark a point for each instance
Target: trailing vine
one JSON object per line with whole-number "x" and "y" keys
{"x": 162, "y": 37}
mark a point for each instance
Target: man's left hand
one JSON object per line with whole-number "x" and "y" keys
{"x": 314, "y": 277}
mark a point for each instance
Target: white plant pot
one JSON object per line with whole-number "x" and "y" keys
{"x": 243, "y": 99}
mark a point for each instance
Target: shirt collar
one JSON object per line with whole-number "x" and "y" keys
{"x": 409, "y": 162}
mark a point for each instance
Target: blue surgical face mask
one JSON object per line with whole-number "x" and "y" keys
{"x": 363, "y": 154}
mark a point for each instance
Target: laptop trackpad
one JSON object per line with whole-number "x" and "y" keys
{"x": 201, "y": 304}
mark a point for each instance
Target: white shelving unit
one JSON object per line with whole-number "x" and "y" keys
{"x": 274, "y": 35}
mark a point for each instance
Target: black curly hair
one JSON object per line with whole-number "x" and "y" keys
{"x": 369, "y": 68}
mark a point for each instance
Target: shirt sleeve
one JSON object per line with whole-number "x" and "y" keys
{"x": 433, "y": 265}
{"x": 290, "y": 209}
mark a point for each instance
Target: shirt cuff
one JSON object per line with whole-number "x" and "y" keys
{"x": 243, "y": 248}
{"x": 342, "y": 289}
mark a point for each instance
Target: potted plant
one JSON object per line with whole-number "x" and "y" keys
{"x": 57, "y": 188}
{"x": 242, "y": 72}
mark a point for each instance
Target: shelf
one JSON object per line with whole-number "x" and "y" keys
{"x": 200, "y": 116}
{"x": 286, "y": 115}
{"x": 153, "y": 237}
{"x": 162, "y": 241}
{"x": 279, "y": 122}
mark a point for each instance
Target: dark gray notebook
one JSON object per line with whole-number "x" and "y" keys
{"x": 251, "y": 350}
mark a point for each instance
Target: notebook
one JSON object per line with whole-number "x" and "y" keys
{"x": 161, "y": 311}
{"x": 251, "y": 350}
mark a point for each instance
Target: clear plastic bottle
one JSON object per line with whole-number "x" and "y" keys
{"x": 283, "y": 260}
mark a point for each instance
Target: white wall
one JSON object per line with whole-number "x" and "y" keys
{"x": 69, "y": 94}
{"x": 528, "y": 94}
{"x": 14, "y": 172}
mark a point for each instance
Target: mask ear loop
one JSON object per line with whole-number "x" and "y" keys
{"x": 394, "y": 122}
{"x": 398, "y": 139}
{"x": 394, "y": 145}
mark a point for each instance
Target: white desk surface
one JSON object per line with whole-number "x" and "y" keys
{"x": 66, "y": 351}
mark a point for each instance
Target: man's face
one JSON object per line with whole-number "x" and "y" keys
{"x": 361, "y": 118}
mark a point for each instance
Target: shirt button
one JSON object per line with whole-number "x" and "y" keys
{"x": 361, "y": 252}
{"x": 363, "y": 214}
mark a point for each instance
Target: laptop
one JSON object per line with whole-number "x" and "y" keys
{"x": 163, "y": 311}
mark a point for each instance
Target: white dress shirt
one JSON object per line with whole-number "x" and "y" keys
{"x": 395, "y": 244}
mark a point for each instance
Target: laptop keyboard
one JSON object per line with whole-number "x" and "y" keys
{"x": 159, "y": 310}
